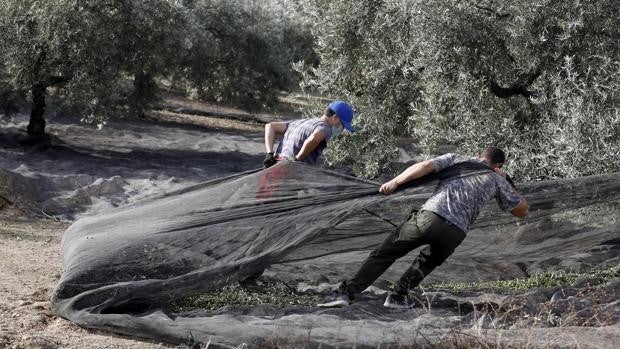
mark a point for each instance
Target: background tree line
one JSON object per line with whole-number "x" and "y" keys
{"x": 539, "y": 78}
{"x": 102, "y": 58}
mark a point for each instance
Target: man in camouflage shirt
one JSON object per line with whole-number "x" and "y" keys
{"x": 442, "y": 223}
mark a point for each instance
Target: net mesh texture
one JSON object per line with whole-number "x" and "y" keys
{"x": 124, "y": 268}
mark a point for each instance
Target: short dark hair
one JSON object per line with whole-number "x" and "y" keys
{"x": 329, "y": 112}
{"x": 495, "y": 154}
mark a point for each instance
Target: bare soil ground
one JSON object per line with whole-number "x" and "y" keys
{"x": 29, "y": 270}
{"x": 30, "y": 260}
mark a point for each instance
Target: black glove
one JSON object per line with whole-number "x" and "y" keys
{"x": 269, "y": 161}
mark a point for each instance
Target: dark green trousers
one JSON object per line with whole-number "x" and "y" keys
{"x": 425, "y": 228}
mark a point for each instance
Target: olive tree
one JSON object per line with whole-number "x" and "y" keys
{"x": 104, "y": 58}
{"x": 84, "y": 51}
{"x": 369, "y": 55}
{"x": 538, "y": 78}
{"x": 242, "y": 51}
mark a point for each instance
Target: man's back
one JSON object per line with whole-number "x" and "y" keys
{"x": 459, "y": 200}
{"x": 296, "y": 134}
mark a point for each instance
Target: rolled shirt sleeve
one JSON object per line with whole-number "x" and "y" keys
{"x": 507, "y": 198}
{"x": 444, "y": 161}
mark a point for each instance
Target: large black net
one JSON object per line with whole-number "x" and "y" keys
{"x": 123, "y": 269}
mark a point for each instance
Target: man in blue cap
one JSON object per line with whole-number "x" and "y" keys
{"x": 304, "y": 140}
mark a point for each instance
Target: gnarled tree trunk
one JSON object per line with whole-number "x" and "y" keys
{"x": 36, "y": 126}
{"x": 144, "y": 92}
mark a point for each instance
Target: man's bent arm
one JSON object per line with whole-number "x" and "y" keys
{"x": 310, "y": 144}
{"x": 414, "y": 171}
{"x": 273, "y": 129}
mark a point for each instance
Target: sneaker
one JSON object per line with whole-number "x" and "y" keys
{"x": 398, "y": 301}
{"x": 336, "y": 299}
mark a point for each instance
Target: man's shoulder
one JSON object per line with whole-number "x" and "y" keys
{"x": 310, "y": 122}
{"x": 304, "y": 123}
{"x": 446, "y": 160}
{"x": 453, "y": 156}
{"x": 318, "y": 124}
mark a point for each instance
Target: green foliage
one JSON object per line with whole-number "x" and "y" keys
{"x": 279, "y": 294}
{"x": 87, "y": 49}
{"x": 241, "y": 52}
{"x": 103, "y": 58}
{"x": 537, "y": 78}
{"x": 274, "y": 293}
{"x": 366, "y": 50}
{"x": 535, "y": 281}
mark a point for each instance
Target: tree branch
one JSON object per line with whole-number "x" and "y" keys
{"x": 218, "y": 33}
{"x": 519, "y": 88}
{"x": 492, "y": 11}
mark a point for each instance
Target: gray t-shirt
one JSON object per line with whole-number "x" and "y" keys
{"x": 296, "y": 134}
{"x": 459, "y": 200}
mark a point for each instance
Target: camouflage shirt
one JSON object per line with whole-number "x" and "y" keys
{"x": 296, "y": 134}
{"x": 459, "y": 200}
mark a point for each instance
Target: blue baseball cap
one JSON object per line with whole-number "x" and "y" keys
{"x": 345, "y": 113}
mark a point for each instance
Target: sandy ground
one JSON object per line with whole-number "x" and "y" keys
{"x": 29, "y": 270}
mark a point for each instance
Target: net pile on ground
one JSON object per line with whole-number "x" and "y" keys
{"x": 122, "y": 269}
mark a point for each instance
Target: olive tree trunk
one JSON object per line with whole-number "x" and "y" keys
{"x": 36, "y": 126}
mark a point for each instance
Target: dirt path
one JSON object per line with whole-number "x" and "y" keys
{"x": 29, "y": 270}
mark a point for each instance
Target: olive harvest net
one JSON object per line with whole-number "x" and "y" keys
{"x": 123, "y": 269}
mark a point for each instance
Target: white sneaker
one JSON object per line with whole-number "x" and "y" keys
{"x": 398, "y": 301}
{"x": 335, "y": 300}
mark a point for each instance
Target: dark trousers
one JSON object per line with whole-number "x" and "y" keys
{"x": 425, "y": 228}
